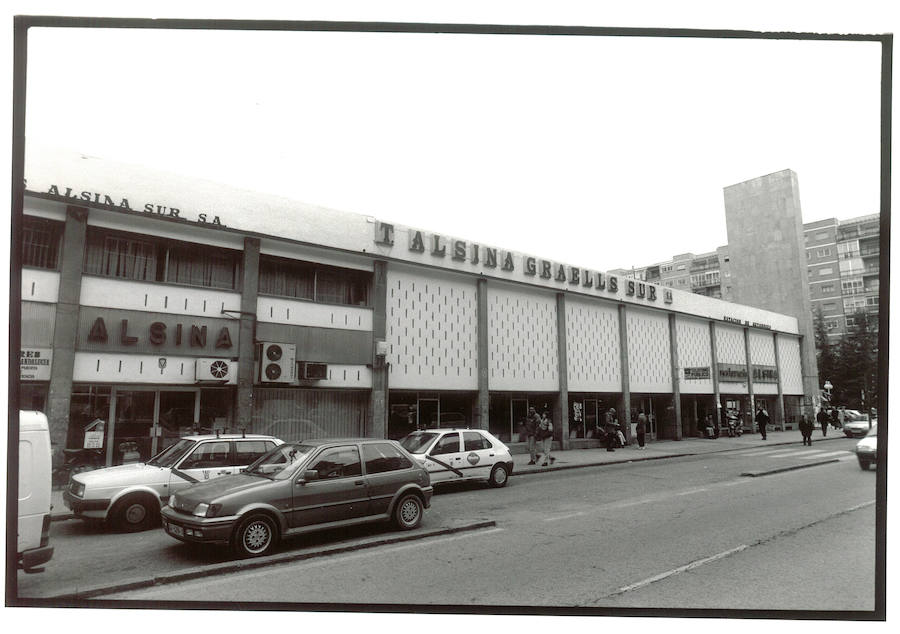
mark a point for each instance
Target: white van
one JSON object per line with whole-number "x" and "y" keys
{"x": 34, "y": 491}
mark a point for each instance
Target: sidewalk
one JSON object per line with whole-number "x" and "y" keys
{"x": 656, "y": 450}
{"x": 576, "y": 458}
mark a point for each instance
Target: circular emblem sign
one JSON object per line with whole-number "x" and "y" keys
{"x": 473, "y": 458}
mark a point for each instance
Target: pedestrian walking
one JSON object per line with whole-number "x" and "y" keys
{"x": 833, "y": 416}
{"x": 822, "y": 419}
{"x": 842, "y": 416}
{"x": 612, "y": 430}
{"x": 532, "y": 420}
{"x": 641, "y": 428}
{"x": 545, "y": 436}
{"x": 762, "y": 419}
{"x": 806, "y": 429}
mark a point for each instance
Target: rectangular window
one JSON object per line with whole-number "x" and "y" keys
{"x": 852, "y": 287}
{"x": 202, "y": 266}
{"x": 871, "y": 301}
{"x": 827, "y": 288}
{"x": 822, "y": 235}
{"x": 40, "y": 242}
{"x": 826, "y": 271}
{"x": 852, "y": 304}
{"x": 831, "y": 325}
{"x": 316, "y": 282}
{"x": 122, "y": 257}
{"x": 821, "y": 253}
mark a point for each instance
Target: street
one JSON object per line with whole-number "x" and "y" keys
{"x": 689, "y": 532}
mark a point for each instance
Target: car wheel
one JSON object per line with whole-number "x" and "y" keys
{"x": 408, "y": 512}
{"x": 135, "y": 513}
{"x": 499, "y": 476}
{"x": 863, "y": 464}
{"x": 256, "y": 535}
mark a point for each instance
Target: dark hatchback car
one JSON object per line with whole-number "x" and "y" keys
{"x": 302, "y": 487}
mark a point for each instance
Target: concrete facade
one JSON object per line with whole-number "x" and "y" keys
{"x": 765, "y": 235}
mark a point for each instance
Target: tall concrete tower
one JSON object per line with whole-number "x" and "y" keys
{"x": 768, "y": 257}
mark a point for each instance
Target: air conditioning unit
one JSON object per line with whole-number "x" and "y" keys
{"x": 277, "y": 362}
{"x": 219, "y": 370}
{"x": 311, "y": 370}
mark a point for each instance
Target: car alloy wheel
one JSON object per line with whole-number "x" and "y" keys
{"x": 499, "y": 476}
{"x": 255, "y": 536}
{"x": 408, "y": 514}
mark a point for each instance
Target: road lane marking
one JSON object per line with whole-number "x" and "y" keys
{"x": 727, "y": 553}
{"x": 563, "y": 517}
{"x": 825, "y": 455}
{"x": 679, "y": 570}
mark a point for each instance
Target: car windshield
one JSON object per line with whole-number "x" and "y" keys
{"x": 280, "y": 461}
{"x": 418, "y": 441}
{"x": 873, "y": 431}
{"x": 172, "y": 454}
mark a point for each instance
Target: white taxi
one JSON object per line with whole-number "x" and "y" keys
{"x": 130, "y": 496}
{"x": 453, "y": 455}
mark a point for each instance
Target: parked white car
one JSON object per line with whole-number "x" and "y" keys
{"x": 452, "y": 455}
{"x": 130, "y": 496}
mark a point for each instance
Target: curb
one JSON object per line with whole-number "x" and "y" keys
{"x": 243, "y": 565}
{"x": 756, "y": 474}
{"x": 645, "y": 458}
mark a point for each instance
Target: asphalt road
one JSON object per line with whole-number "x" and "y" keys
{"x": 683, "y": 533}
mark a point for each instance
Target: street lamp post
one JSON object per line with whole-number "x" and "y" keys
{"x": 828, "y": 387}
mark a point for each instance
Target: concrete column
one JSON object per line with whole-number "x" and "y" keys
{"x": 484, "y": 396}
{"x": 624, "y": 408}
{"x": 243, "y": 411}
{"x": 65, "y": 330}
{"x": 380, "y": 397}
{"x": 715, "y": 373}
{"x": 676, "y": 377}
{"x": 562, "y": 415}
{"x": 779, "y": 403}
{"x": 749, "y": 367}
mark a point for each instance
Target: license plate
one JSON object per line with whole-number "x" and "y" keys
{"x": 176, "y": 530}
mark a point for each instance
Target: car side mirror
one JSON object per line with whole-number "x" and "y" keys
{"x": 308, "y": 476}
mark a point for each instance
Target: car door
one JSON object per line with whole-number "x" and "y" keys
{"x": 387, "y": 469}
{"x": 445, "y": 459}
{"x": 479, "y": 455}
{"x": 337, "y": 493}
{"x": 208, "y": 460}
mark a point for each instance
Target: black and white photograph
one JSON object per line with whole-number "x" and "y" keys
{"x": 395, "y": 315}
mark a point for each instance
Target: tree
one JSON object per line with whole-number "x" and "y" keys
{"x": 826, "y": 357}
{"x": 857, "y": 364}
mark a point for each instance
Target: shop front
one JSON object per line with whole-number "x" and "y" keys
{"x": 587, "y": 413}
{"x": 695, "y": 409}
{"x": 509, "y": 409}
{"x": 660, "y": 412}
{"x": 409, "y": 411}
{"x": 133, "y": 423}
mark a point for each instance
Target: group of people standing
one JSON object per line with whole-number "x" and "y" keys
{"x": 539, "y": 432}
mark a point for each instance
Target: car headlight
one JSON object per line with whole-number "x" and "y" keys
{"x": 77, "y": 488}
{"x": 207, "y": 510}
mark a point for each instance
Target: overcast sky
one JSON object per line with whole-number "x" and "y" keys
{"x": 604, "y": 152}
